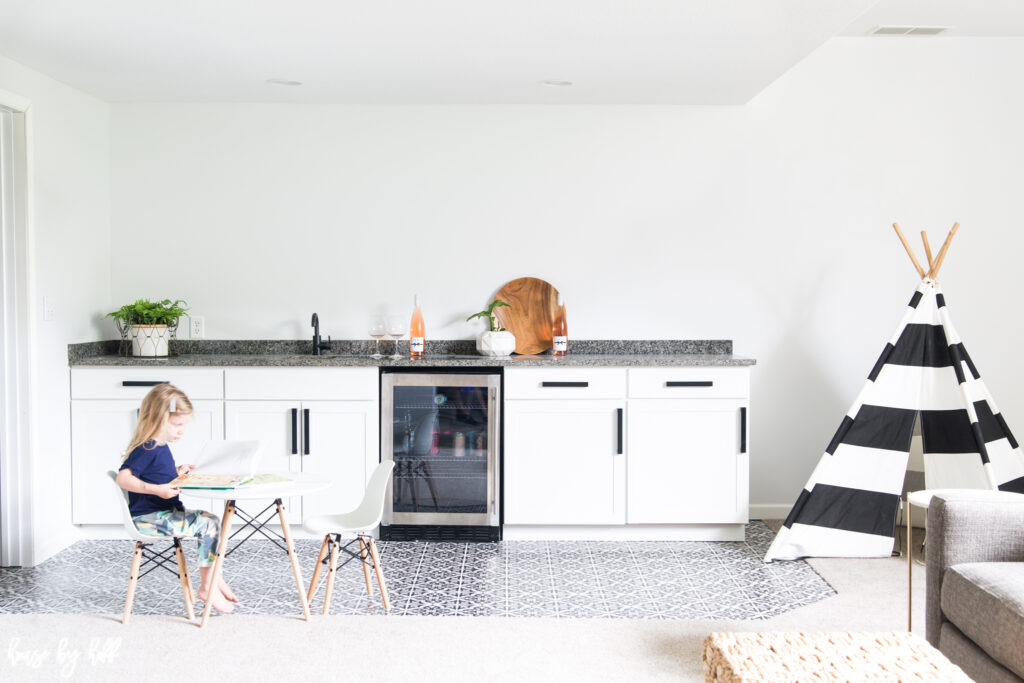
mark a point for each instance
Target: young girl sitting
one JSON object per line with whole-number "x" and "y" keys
{"x": 146, "y": 471}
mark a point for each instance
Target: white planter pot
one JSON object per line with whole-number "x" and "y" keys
{"x": 149, "y": 340}
{"x": 496, "y": 343}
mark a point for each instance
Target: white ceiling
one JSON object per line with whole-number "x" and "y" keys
{"x": 451, "y": 51}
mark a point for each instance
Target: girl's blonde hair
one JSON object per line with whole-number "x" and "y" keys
{"x": 160, "y": 403}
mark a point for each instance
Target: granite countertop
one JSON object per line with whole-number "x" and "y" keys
{"x": 457, "y": 353}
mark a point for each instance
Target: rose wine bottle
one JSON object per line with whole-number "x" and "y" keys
{"x": 417, "y": 341}
{"x": 560, "y": 331}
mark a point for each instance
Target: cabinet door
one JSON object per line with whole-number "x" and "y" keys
{"x": 207, "y": 424}
{"x": 278, "y": 429}
{"x": 685, "y": 464}
{"x": 100, "y": 431}
{"x": 342, "y": 446}
{"x": 562, "y": 463}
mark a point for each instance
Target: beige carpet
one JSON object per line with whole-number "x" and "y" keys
{"x": 872, "y": 596}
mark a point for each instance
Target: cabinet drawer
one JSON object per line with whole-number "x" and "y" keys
{"x": 301, "y": 384}
{"x": 135, "y": 382}
{"x": 565, "y": 383}
{"x": 689, "y": 382}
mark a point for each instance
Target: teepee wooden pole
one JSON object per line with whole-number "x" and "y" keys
{"x": 934, "y": 272}
{"x": 910, "y": 252}
{"x": 927, "y": 249}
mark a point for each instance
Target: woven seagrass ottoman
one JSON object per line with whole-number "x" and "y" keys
{"x": 748, "y": 657}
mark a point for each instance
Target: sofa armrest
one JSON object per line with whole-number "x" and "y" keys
{"x": 968, "y": 526}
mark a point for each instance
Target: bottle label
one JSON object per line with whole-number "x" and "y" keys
{"x": 416, "y": 344}
{"x": 561, "y": 343}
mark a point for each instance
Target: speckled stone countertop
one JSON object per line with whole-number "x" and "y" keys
{"x": 445, "y": 353}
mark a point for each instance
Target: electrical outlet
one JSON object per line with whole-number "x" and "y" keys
{"x": 196, "y": 327}
{"x": 49, "y": 309}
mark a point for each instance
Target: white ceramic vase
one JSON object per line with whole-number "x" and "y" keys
{"x": 149, "y": 340}
{"x": 496, "y": 343}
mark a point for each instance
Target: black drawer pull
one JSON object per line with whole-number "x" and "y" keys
{"x": 698, "y": 383}
{"x": 143, "y": 382}
{"x": 565, "y": 384}
{"x": 743, "y": 430}
{"x": 295, "y": 431}
{"x": 305, "y": 431}
{"x": 619, "y": 451}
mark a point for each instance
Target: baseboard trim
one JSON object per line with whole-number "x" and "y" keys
{"x": 769, "y": 511}
{"x": 626, "y": 532}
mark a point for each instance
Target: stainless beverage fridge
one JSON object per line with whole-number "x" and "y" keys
{"x": 443, "y": 431}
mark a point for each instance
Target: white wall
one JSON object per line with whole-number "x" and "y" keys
{"x": 69, "y": 225}
{"x": 768, "y": 224}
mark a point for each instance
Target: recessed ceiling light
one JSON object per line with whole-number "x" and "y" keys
{"x": 907, "y": 30}
{"x": 556, "y": 84}
{"x": 283, "y": 81}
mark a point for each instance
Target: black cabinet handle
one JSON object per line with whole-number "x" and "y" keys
{"x": 743, "y": 430}
{"x": 619, "y": 451}
{"x": 143, "y": 382}
{"x": 565, "y": 384}
{"x": 305, "y": 431}
{"x": 699, "y": 383}
{"x": 295, "y": 431}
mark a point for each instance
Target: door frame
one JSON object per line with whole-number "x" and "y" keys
{"x": 15, "y": 347}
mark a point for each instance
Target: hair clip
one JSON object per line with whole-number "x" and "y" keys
{"x": 173, "y": 408}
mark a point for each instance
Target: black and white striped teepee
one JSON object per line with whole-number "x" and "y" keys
{"x": 849, "y": 506}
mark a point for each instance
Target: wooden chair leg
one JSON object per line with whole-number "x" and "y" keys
{"x": 380, "y": 574}
{"x": 294, "y": 560}
{"x": 183, "y": 578}
{"x": 189, "y": 587}
{"x": 222, "y": 544}
{"x": 330, "y": 576}
{"x": 366, "y": 568}
{"x": 132, "y": 582}
{"x": 316, "y": 569}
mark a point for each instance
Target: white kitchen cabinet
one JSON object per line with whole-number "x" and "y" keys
{"x": 332, "y": 439}
{"x": 614, "y": 453}
{"x": 340, "y": 442}
{"x": 564, "y": 462}
{"x": 687, "y": 462}
{"x": 321, "y": 421}
{"x": 100, "y": 431}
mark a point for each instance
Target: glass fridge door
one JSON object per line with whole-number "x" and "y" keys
{"x": 443, "y": 439}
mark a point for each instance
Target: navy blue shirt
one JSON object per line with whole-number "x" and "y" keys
{"x": 154, "y": 465}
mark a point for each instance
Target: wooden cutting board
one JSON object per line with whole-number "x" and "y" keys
{"x": 533, "y": 305}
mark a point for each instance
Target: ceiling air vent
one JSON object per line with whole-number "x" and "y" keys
{"x": 908, "y": 30}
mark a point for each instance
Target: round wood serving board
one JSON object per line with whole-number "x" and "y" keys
{"x": 533, "y": 305}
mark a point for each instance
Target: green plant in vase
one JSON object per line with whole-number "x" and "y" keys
{"x": 497, "y": 341}
{"x": 149, "y": 323}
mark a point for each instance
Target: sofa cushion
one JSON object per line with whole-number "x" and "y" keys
{"x": 985, "y": 600}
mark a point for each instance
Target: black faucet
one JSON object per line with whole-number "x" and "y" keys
{"x": 318, "y": 345}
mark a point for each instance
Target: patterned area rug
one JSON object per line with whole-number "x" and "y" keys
{"x": 580, "y": 579}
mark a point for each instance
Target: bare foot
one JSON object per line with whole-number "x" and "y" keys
{"x": 226, "y": 591}
{"x": 219, "y": 603}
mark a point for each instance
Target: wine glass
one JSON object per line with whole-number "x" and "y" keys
{"x": 396, "y": 327}
{"x": 378, "y": 328}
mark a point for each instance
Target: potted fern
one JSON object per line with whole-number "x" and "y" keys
{"x": 149, "y": 323}
{"x": 496, "y": 341}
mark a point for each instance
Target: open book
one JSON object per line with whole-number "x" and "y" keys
{"x": 192, "y": 480}
{"x": 216, "y": 460}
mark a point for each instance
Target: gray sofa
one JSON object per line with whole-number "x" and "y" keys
{"x": 975, "y": 582}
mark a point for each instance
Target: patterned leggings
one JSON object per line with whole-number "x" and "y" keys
{"x": 199, "y": 523}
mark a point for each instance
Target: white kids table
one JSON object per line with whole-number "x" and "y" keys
{"x": 301, "y": 484}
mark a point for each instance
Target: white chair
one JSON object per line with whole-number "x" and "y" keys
{"x": 360, "y": 521}
{"x": 158, "y": 559}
